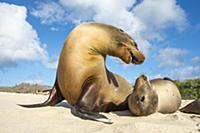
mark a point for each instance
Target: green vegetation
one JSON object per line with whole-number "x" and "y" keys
{"x": 189, "y": 89}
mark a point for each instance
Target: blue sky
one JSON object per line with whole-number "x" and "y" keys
{"x": 32, "y": 35}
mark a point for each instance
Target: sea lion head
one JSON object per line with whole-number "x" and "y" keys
{"x": 117, "y": 42}
{"x": 127, "y": 48}
{"x": 144, "y": 100}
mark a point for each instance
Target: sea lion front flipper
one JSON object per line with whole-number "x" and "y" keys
{"x": 87, "y": 106}
{"x": 88, "y": 115}
{"x": 54, "y": 98}
{"x": 193, "y": 107}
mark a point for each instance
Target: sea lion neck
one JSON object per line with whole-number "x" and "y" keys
{"x": 94, "y": 41}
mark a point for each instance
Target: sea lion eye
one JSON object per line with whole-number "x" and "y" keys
{"x": 142, "y": 99}
{"x": 136, "y": 45}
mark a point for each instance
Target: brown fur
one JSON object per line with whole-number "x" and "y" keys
{"x": 82, "y": 61}
{"x": 82, "y": 77}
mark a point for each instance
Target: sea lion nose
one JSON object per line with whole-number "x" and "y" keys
{"x": 142, "y": 58}
{"x": 139, "y": 57}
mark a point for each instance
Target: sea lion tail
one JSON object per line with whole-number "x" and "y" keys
{"x": 54, "y": 98}
{"x": 192, "y": 108}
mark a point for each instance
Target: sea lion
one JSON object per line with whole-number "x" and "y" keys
{"x": 157, "y": 95}
{"x": 192, "y": 108}
{"x": 82, "y": 77}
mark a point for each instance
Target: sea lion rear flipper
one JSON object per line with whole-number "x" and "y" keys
{"x": 193, "y": 107}
{"x": 54, "y": 98}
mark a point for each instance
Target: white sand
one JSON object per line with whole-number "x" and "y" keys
{"x": 15, "y": 119}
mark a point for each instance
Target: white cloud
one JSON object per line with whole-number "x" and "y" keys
{"x": 33, "y": 81}
{"x": 18, "y": 39}
{"x": 50, "y": 12}
{"x": 196, "y": 60}
{"x": 158, "y": 15}
{"x": 157, "y": 76}
{"x": 144, "y": 23}
{"x": 190, "y": 72}
{"x": 52, "y": 62}
{"x": 183, "y": 72}
{"x": 171, "y": 57}
{"x": 54, "y": 29}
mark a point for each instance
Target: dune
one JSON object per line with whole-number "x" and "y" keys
{"x": 58, "y": 119}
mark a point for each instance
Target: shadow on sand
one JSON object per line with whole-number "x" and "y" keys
{"x": 65, "y": 104}
{"x": 123, "y": 113}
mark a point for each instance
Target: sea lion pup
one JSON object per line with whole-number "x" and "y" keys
{"x": 82, "y": 77}
{"x": 157, "y": 95}
{"x": 192, "y": 108}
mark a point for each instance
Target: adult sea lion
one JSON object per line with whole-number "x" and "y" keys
{"x": 157, "y": 95}
{"x": 82, "y": 77}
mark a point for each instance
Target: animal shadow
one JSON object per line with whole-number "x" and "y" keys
{"x": 64, "y": 104}
{"x": 123, "y": 113}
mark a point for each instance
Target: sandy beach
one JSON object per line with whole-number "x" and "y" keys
{"x": 58, "y": 119}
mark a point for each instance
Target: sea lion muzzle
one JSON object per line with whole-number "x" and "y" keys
{"x": 137, "y": 58}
